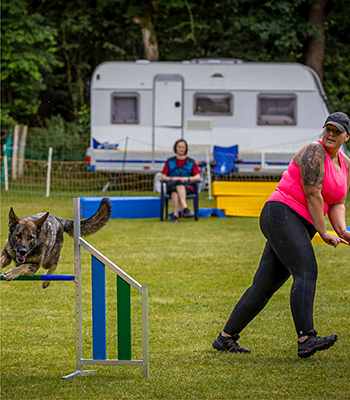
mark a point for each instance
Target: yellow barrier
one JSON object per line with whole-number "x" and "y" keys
{"x": 242, "y": 199}
{"x": 241, "y": 206}
{"x": 260, "y": 189}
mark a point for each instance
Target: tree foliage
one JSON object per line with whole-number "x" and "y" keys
{"x": 28, "y": 52}
{"x": 50, "y": 48}
{"x": 337, "y": 59}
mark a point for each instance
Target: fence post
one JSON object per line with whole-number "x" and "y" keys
{"x": 125, "y": 153}
{"x": 48, "y": 179}
{"x": 262, "y": 162}
{"x": 22, "y": 145}
{"x": 15, "y": 152}
{"x": 6, "y": 171}
{"x": 209, "y": 175}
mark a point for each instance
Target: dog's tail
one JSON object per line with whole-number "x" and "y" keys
{"x": 92, "y": 224}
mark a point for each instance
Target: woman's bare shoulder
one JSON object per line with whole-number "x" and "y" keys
{"x": 310, "y": 150}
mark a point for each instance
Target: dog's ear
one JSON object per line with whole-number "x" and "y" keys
{"x": 39, "y": 222}
{"x": 13, "y": 219}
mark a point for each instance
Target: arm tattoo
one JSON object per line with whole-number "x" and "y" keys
{"x": 312, "y": 166}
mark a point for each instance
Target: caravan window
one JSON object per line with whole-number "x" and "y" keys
{"x": 213, "y": 104}
{"x": 125, "y": 108}
{"x": 276, "y": 109}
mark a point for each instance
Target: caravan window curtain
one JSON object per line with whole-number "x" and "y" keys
{"x": 125, "y": 108}
{"x": 213, "y": 104}
{"x": 277, "y": 109}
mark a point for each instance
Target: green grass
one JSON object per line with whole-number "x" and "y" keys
{"x": 195, "y": 273}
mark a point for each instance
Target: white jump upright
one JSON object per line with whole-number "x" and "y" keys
{"x": 124, "y": 281}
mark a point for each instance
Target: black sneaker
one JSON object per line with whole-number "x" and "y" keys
{"x": 315, "y": 343}
{"x": 186, "y": 213}
{"x": 174, "y": 219}
{"x": 222, "y": 343}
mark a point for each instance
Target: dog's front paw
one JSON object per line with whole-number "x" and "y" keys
{"x": 11, "y": 274}
{"x": 5, "y": 260}
{"x": 45, "y": 284}
{"x": 2, "y": 263}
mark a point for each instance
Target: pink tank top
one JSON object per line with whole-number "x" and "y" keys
{"x": 290, "y": 188}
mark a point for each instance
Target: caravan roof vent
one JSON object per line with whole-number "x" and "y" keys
{"x": 142, "y": 61}
{"x": 199, "y": 125}
{"x": 216, "y": 61}
{"x": 217, "y": 75}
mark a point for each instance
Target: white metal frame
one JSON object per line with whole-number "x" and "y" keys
{"x": 80, "y": 361}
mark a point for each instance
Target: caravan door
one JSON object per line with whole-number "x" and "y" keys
{"x": 168, "y": 110}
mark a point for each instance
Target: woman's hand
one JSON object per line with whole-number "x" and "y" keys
{"x": 181, "y": 179}
{"x": 333, "y": 240}
{"x": 346, "y": 236}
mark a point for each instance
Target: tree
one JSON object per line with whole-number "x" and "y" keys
{"x": 88, "y": 33}
{"x": 251, "y": 30}
{"x": 147, "y": 23}
{"x": 315, "y": 50}
{"x": 28, "y": 52}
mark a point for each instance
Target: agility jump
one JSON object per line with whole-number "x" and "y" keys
{"x": 124, "y": 281}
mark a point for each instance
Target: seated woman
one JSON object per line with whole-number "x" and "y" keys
{"x": 180, "y": 172}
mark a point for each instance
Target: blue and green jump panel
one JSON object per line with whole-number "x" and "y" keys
{"x": 99, "y": 323}
{"x": 123, "y": 207}
{"x": 124, "y": 282}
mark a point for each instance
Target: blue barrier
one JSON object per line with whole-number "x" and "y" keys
{"x": 42, "y": 278}
{"x": 98, "y": 278}
{"x": 123, "y": 207}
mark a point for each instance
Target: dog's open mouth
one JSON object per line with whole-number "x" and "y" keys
{"x": 20, "y": 259}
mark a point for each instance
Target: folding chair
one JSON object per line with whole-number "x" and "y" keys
{"x": 226, "y": 159}
{"x": 164, "y": 198}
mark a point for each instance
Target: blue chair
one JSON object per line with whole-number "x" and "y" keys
{"x": 226, "y": 159}
{"x": 164, "y": 198}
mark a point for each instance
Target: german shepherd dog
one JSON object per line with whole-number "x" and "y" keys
{"x": 36, "y": 241}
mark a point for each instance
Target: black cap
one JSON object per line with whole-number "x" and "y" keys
{"x": 340, "y": 120}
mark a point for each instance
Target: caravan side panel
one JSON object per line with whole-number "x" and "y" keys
{"x": 127, "y": 131}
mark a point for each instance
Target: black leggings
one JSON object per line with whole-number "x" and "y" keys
{"x": 288, "y": 251}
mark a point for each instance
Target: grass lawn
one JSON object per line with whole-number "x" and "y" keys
{"x": 195, "y": 272}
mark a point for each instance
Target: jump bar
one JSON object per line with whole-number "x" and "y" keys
{"x": 42, "y": 278}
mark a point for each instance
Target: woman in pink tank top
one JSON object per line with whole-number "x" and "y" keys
{"x": 316, "y": 183}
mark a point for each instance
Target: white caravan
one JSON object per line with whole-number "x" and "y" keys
{"x": 139, "y": 109}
